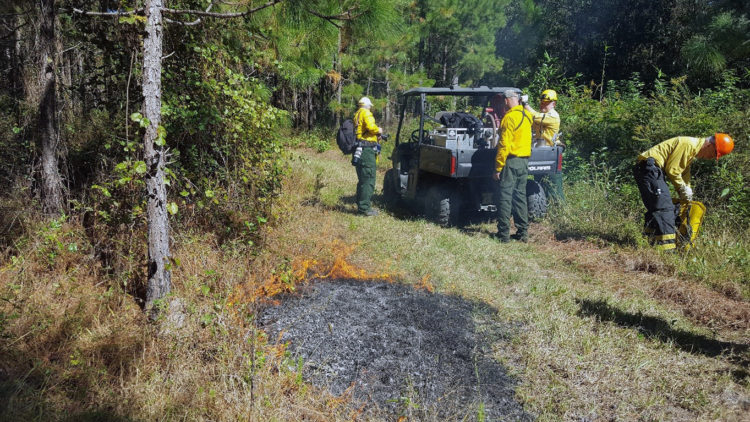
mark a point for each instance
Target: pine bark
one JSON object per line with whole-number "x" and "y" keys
{"x": 341, "y": 82}
{"x": 47, "y": 127}
{"x": 387, "y": 94}
{"x": 159, "y": 276}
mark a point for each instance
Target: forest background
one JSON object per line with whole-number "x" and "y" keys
{"x": 629, "y": 75}
{"x": 238, "y": 93}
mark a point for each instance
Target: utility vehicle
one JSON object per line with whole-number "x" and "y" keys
{"x": 444, "y": 165}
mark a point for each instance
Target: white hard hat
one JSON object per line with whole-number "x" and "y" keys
{"x": 365, "y": 102}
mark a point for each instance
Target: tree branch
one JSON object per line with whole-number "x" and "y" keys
{"x": 219, "y": 15}
{"x": 113, "y": 13}
{"x": 332, "y": 19}
{"x": 193, "y": 23}
{"x": 6, "y": 15}
{"x": 179, "y": 22}
{"x": 13, "y": 31}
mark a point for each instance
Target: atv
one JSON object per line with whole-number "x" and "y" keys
{"x": 443, "y": 168}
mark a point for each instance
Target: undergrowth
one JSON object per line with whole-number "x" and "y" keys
{"x": 75, "y": 345}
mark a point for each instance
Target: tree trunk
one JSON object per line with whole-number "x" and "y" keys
{"x": 445, "y": 65}
{"x": 16, "y": 62}
{"x": 47, "y": 129}
{"x": 295, "y": 108}
{"x": 310, "y": 111}
{"x": 387, "y": 95}
{"x": 159, "y": 283}
{"x": 338, "y": 88}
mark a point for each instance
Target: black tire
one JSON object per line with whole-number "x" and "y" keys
{"x": 443, "y": 206}
{"x": 536, "y": 200}
{"x": 390, "y": 194}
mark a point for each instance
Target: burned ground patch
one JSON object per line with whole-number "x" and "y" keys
{"x": 397, "y": 350}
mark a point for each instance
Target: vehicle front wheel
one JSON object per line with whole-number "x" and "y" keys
{"x": 536, "y": 200}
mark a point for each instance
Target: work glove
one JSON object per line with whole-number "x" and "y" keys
{"x": 686, "y": 193}
{"x": 524, "y": 99}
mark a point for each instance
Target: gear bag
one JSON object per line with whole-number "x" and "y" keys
{"x": 345, "y": 137}
{"x": 473, "y": 125}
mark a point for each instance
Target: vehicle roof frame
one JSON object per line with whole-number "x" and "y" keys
{"x": 424, "y": 92}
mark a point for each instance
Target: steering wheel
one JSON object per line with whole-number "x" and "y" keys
{"x": 415, "y": 136}
{"x": 490, "y": 123}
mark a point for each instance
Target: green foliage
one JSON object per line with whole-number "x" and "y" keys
{"x": 604, "y": 137}
{"x": 612, "y": 39}
{"x": 614, "y": 131}
{"x": 16, "y": 146}
{"x": 458, "y": 39}
{"x": 225, "y": 135}
{"x": 724, "y": 40}
{"x": 319, "y": 140}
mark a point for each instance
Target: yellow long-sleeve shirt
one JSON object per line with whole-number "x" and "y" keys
{"x": 674, "y": 157}
{"x": 515, "y": 137}
{"x": 546, "y": 125}
{"x": 364, "y": 124}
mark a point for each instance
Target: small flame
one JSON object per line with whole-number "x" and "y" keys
{"x": 302, "y": 270}
{"x": 425, "y": 284}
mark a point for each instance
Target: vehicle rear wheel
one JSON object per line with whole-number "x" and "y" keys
{"x": 536, "y": 200}
{"x": 443, "y": 206}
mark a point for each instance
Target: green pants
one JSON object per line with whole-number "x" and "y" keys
{"x": 553, "y": 186}
{"x": 512, "y": 197}
{"x": 366, "y": 180}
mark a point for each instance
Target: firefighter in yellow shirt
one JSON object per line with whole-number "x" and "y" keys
{"x": 365, "y": 157}
{"x": 546, "y": 132}
{"x": 512, "y": 168}
{"x": 546, "y": 127}
{"x": 672, "y": 159}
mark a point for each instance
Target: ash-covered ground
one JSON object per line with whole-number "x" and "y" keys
{"x": 402, "y": 351}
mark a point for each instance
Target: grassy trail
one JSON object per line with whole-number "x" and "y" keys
{"x": 597, "y": 332}
{"x": 603, "y": 334}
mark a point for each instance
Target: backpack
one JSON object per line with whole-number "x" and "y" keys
{"x": 345, "y": 137}
{"x": 464, "y": 120}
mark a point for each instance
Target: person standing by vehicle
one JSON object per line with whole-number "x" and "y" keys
{"x": 364, "y": 158}
{"x": 546, "y": 132}
{"x": 511, "y": 169}
{"x": 672, "y": 158}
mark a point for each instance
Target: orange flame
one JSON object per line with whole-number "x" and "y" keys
{"x": 302, "y": 270}
{"x": 425, "y": 284}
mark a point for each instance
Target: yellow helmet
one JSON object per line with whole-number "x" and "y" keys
{"x": 548, "y": 95}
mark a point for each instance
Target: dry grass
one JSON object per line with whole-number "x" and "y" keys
{"x": 75, "y": 345}
{"x": 603, "y": 333}
{"x": 626, "y": 270}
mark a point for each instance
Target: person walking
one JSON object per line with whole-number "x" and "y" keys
{"x": 511, "y": 169}
{"x": 545, "y": 132}
{"x": 672, "y": 159}
{"x": 365, "y": 157}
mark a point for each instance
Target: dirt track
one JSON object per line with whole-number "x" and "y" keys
{"x": 401, "y": 351}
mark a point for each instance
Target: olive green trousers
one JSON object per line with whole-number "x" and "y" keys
{"x": 366, "y": 171}
{"x": 512, "y": 198}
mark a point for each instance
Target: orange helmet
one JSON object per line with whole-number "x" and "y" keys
{"x": 724, "y": 144}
